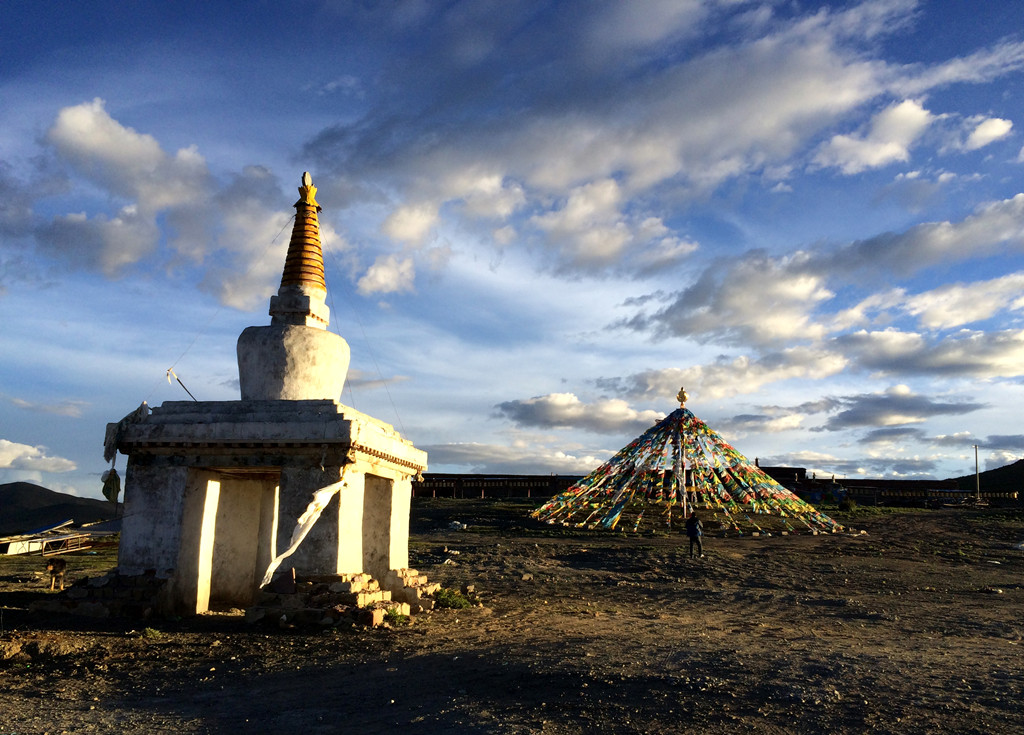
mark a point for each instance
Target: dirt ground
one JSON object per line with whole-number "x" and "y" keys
{"x": 914, "y": 627}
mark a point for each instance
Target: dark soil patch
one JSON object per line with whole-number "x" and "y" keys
{"x": 914, "y": 627}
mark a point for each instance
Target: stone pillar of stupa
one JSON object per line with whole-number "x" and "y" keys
{"x": 296, "y": 357}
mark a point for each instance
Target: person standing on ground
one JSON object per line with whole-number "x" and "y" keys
{"x": 695, "y": 530}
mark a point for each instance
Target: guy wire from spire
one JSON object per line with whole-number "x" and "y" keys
{"x": 220, "y": 307}
{"x": 366, "y": 341}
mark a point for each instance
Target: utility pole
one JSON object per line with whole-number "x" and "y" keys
{"x": 977, "y": 477}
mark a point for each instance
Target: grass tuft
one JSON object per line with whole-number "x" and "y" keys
{"x": 451, "y": 599}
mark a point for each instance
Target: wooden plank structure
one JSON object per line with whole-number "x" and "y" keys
{"x": 47, "y": 541}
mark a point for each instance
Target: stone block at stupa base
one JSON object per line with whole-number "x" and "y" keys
{"x": 396, "y": 579}
{"x": 418, "y": 594}
{"x": 399, "y": 608}
{"x": 350, "y": 586}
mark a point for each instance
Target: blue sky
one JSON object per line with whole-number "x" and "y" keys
{"x": 540, "y": 220}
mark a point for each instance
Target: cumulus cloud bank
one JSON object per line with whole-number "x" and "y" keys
{"x": 732, "y": 196}
{"x": 224, "y": 227}
{"x": 610, "y": 416}
{"x": 15, "y": 456}
{"x": 895, "y": 406}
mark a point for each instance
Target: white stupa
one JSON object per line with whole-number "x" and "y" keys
{"x": 219, "y": 495}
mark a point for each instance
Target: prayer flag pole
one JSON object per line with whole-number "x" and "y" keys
{"x": 680, "y": 463}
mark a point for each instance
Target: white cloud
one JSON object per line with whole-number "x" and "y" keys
{"x": 364, "y": 380}
{"x": 345, "y": 84}
{"x": 867, "y": 310}
{"x": 14, "y": 456}
{"x": 974, "y": 354}
{"x": 890, "y": 440}
{"x": 735, "y": 110}
{"x": 892, "y": 133}
{"x": 86, "y": 136}
{"x": 589, "y": 231}
{"x": 236, "y": 231}
{"x": 16, "y": 201}
{"x": 625, "y": 134}
{"x": 987, "y": 131}
{"x": 945, "y": 307}
{"x": 755, "y": 299}
{"x": 588, "y": 227}
{"x": 888, "y": 347}
{"x": 565, "y": 410}
{"x": 743, "y": 425}
{"x": 744, "y": 375}
{"x": 126, "y": 162}
{"x": 980, "y": 67}
{"x": 108, "y": 244}
{"x": 249, "y": 281}
{"x": 955, "y": 304}
{"x": 485, "y": 193}
{"x": 244, "y": 239}
{"x": 411, "y": 223}
{"x": 69, "y": 408}
{"x": 741, "y": 108}
{"x": 388, "y": 274}
{"x": 869, "y": 19}
{"x": 576, "y": 163}
{"x": 991, "y": 228}
{"x": 995, "y": 460}
{"x": 512, "y": 459}
{"x": 810, "y": 458}
{"x": 959, "y": 439}
{"x": 728, "y": 377}
{"x": 504, "y": 235}
{"x": 663, "y": 252}
{"x": 896, "y": 406}
{"x": 617, "y": 26}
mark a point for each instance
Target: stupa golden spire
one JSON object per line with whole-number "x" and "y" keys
{"x": 296, "y": 357}
{"x": 304, "y": 264}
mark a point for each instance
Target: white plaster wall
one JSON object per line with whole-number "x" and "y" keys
{"x": 227, "y": 546}
{"x": 377, "y": 526}
{"x": 401, "y": 507}
{"x": 237, "y": 540}
{"x": 350, "y": 522}
{"x": 318, "y": 553}
{"x": 151, "y": 529}
{"x": 191, "y": 584}
{"x": 291, "y": 362}
{"x": 267, "y": 548}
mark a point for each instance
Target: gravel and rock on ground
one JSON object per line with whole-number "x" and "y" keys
{"x": 914, "y": 627}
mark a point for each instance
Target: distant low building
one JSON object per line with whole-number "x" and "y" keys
{"x": 881, "y": 491}
{"x": 442, "y": 485}
{"x": 1000, "y": 485}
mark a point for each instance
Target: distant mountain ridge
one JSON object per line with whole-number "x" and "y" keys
{"x": 1007, "y": 479}
{"x": 26, "y": 507}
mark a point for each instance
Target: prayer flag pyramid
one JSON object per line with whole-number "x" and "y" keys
{"x": 649, "y": 472}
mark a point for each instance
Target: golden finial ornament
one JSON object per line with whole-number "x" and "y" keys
{"x": 307, "y": 191}
{"x": 682, "y": 396}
